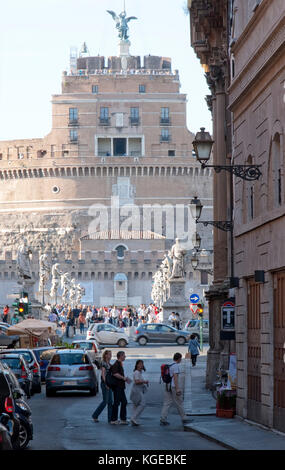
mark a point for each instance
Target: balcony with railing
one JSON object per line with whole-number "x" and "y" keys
{"x": 165, "y": 138}
{"x": 104, "y": 121}
{"x": 73, "y": 122}
{"x": 134, "y": 120}
{"x": 165, "y": 121}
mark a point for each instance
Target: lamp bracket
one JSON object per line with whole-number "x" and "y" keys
{"x": 246, "y": 172}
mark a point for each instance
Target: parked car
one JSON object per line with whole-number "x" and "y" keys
{"x": 34, "y": 366}
{"x": 43, "y": 355}
{"x": 92, "y": 347}
{"x": 193, "y": 326}
{"x": 71, "y": 369}
{"x": 22, "y": 409}
{"x": 20, "y": 367}
{"x": 160, "y": 333}
{"x": 7, "y": 407}
{"x": 105, "y": 333}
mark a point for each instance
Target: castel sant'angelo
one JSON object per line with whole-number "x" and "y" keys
{"x": 118, "y": 137}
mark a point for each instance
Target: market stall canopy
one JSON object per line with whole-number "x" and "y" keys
{"x": 33, "y": 327}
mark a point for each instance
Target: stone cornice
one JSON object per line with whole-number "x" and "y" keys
{"x": 266, "y": 54}
{"x": 103, "y": 170}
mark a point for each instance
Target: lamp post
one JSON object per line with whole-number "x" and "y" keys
{"x": 203, "y": 144}
{"x": 196, "y": 209}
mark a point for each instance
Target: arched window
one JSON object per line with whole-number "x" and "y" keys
{"x": 120, "y": 251}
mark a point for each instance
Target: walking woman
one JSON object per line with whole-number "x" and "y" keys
{"x": 106, "y": 391}
{"x": 138, "y": 392}
{"x": 193, "y": 348}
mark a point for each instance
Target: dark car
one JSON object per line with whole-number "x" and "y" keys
{"x": 34, "y": 366}
{"x": 22, "y": 410}
{"x": 43, "y": 355}
{"x": 160, "y": 333}
{"x": 20, "y": 367}
{"x": 7, "y": 408}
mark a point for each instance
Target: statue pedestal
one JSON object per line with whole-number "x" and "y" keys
{"x": 177, "y": 301}
{"x": 124, "y": 48}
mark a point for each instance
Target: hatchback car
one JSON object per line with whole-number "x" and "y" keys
{"x": 71, "y": 369}
{"x": 34, "y": 366}
{"x": 193, "y": 327}
{"x": 43, "y": 355}
{"x": 105, "y": 333}
{"x": 92, "y": 347}
{"x": 20, "y": 367}
{"x": 160, "y": 333}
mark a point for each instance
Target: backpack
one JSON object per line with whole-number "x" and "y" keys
{"x": 165, "y": 373}
{"x": 111, "y": 381}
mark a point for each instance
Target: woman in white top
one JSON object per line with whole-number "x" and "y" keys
{"x": 138, "y": 392}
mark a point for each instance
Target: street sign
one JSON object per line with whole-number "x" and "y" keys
{"x": 228, "y": 316}
{"x": 194, "y": 298}
{"x": 194, "y": 308}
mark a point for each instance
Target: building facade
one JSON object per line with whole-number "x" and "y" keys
{"x": 94, "y": 193}
{"x": 255, "y": 95}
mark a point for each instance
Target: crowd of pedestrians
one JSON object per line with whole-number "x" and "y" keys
{"x": 81, "y": 316}
{"x": 113, "y": 385}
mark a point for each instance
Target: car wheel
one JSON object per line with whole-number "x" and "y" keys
{"x": 181, "y": 340}
{"x": 23, "y": 435}
{"x": 142, "y": 341}
{"x": 122, "y": 343}
{"x": 93, "y": 392}
{"x": 50, "y": 393}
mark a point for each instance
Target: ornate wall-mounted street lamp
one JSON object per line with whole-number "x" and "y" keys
{"x": 203, "y": 144}
{"x": 196, "y": 209}
{"x": 195, "y": 264}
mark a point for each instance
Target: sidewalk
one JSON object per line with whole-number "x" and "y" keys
{"x": 235, "y": 433}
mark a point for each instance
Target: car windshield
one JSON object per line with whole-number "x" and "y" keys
{"x": 70, "y": 359}
{"x": 46, "y": 354}
{"x": 27, "y": 356}
{"x": 13, "y": 362}
{"x": 192, "y": 323}
{"x": 83, "y": 345}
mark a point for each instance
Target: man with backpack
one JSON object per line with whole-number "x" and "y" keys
{"x": 171, "y": 376}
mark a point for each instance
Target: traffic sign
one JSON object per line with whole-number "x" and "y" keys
{"x": 194, "y": 298}
{"x": 194, "y": 308}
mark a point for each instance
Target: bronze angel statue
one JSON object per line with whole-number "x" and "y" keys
{"x": 122, "y": 23}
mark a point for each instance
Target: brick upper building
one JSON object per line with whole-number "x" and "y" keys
{"x": 118, "y": 134}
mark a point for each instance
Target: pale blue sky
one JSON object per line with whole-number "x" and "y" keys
{"x": 35, "y": 37}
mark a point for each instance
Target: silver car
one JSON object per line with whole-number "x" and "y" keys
{"x": 193, "y": 326}
{"x": 71, "y": 370}
{"x": 160, "y": 333}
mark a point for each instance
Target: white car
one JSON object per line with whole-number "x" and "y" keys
{"x": 105, "y": 333}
